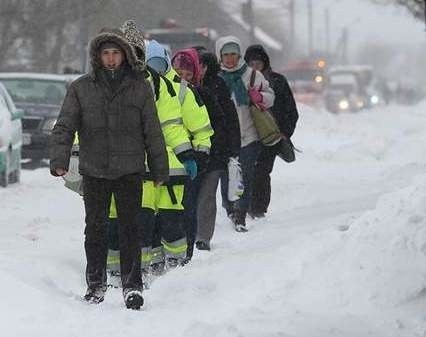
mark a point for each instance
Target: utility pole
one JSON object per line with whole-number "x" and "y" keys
{"x": 310, "y": 28}
{"x": 345, "y": 33}
{"x": 327, "y": 30}
{"x": 425, "y": 14}
{"x": 83, "y": 35}
{"x": 292, "y": 26}
{"x": 250, "y": 18}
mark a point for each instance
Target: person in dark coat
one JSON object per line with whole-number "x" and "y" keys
{"x": 226, "y": 143}
{"x": 112, "y": 110}
{"x": 286, "y": 115}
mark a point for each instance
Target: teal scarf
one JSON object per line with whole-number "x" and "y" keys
{"x": 236, "y": 85}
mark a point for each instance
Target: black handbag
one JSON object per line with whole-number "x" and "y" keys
{"x": 285, "y": 150}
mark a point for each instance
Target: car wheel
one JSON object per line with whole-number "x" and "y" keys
{"x": 4, "y": 176}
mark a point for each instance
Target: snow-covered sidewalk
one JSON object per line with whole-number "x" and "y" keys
{"x": 342, "y": 252}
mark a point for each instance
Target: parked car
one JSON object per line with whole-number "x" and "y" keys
{"x": 40, "y": 96}
{"x": 10, "y": 139}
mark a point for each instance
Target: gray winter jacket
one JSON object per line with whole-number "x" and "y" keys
{"x": 115, "y": 128}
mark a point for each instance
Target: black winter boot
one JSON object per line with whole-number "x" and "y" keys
{"x": 239, "y": 220}
{"x": 201, "y": 245}
{"x": 95, "y": 294}
{"x": 133, "y": 298}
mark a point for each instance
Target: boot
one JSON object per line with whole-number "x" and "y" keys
{"x": 201, "y": 245}
{"x": 133, "y": 298}
{"x": 239, "y": 220}
{"x": 95, "y": 295}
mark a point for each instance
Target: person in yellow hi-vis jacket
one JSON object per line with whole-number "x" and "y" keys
{"x": 161, "y": 205}
{"x": 196, "y": 120}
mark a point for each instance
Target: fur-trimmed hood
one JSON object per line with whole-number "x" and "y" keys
{"x": 116, "y": 36}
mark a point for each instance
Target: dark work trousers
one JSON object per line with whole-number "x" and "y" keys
{"x": 168, "y": 226}
{"x": 247, "y": 158}
{"x": 261, "y": 193}
{"x": 206, "y": 206}
{"x": 190, "y": 196}
{"x": 97, "y": 199}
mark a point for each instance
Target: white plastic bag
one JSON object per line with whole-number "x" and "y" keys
{"x": 73, "y": 179}
{"x": 235, "y": 182}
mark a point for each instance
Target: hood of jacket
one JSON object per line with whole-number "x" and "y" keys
{"x": 192, "y": 55}
{"x": 115, "y": 36}
{"x": 224, "y": 40}
{"x": 257, "y": 52}
{"x": 154, "y": 49}
{"x": 135, "y": 37}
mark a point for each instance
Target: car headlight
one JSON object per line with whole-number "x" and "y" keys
{"x": 374, "y": 99}
{"x": 343, "y": 104}
{"x": 318, "y": 79}
{"x": 49, "y": 124}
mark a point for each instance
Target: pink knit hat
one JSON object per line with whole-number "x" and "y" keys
{"x": 188, "y": 59}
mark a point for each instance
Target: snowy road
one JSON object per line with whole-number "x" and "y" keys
{"x": 342, "y": 252}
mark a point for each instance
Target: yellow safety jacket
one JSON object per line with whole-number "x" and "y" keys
{"x": 194, "y": 112}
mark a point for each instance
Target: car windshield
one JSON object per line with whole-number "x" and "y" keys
{"x": 36, "y": 91}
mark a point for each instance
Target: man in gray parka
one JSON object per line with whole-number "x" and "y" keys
{"x": 112, "y": 110}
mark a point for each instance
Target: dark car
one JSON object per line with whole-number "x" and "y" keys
{"x": 40, "y": 96}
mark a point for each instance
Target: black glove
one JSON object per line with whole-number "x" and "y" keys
{"x": 202, "y": 160}
{"x": 186, "y": 155}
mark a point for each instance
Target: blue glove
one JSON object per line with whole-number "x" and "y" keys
{"x": 191, "y": 168}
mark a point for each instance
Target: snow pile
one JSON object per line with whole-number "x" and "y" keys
{"x": 340, "y": 254}
{"x": 378, "y": 258}
{"x": 385, "y": 249}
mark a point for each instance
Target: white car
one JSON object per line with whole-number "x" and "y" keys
{"x": 40, "y": 96}
{"x": 10, "y": 139}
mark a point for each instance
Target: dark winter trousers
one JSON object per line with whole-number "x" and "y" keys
{"x": 168, "y": 226}
{"x": 248, "y": 156}
{"x": 97, "y": 198}
{"x": 206, "y": 206}
{"x": 192, "y": 189}
{"x": 261, "y": 193}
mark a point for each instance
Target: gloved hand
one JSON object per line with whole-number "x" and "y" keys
{"x": 202, "y": 159}
{"x": 191, "y": 168}
{"x": 255, "y": 96}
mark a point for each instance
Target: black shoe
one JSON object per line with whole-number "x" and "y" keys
{"x": 241, "y": 228}
{"x": 133, "y": 298}
{"x": 239, "y": 220}
{"x": 201, "y": 245}
{"x": 95, "y": 294}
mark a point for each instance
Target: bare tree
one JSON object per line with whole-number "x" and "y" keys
{"x": 416, "y": 7}
{"x": 44, "y": 35}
